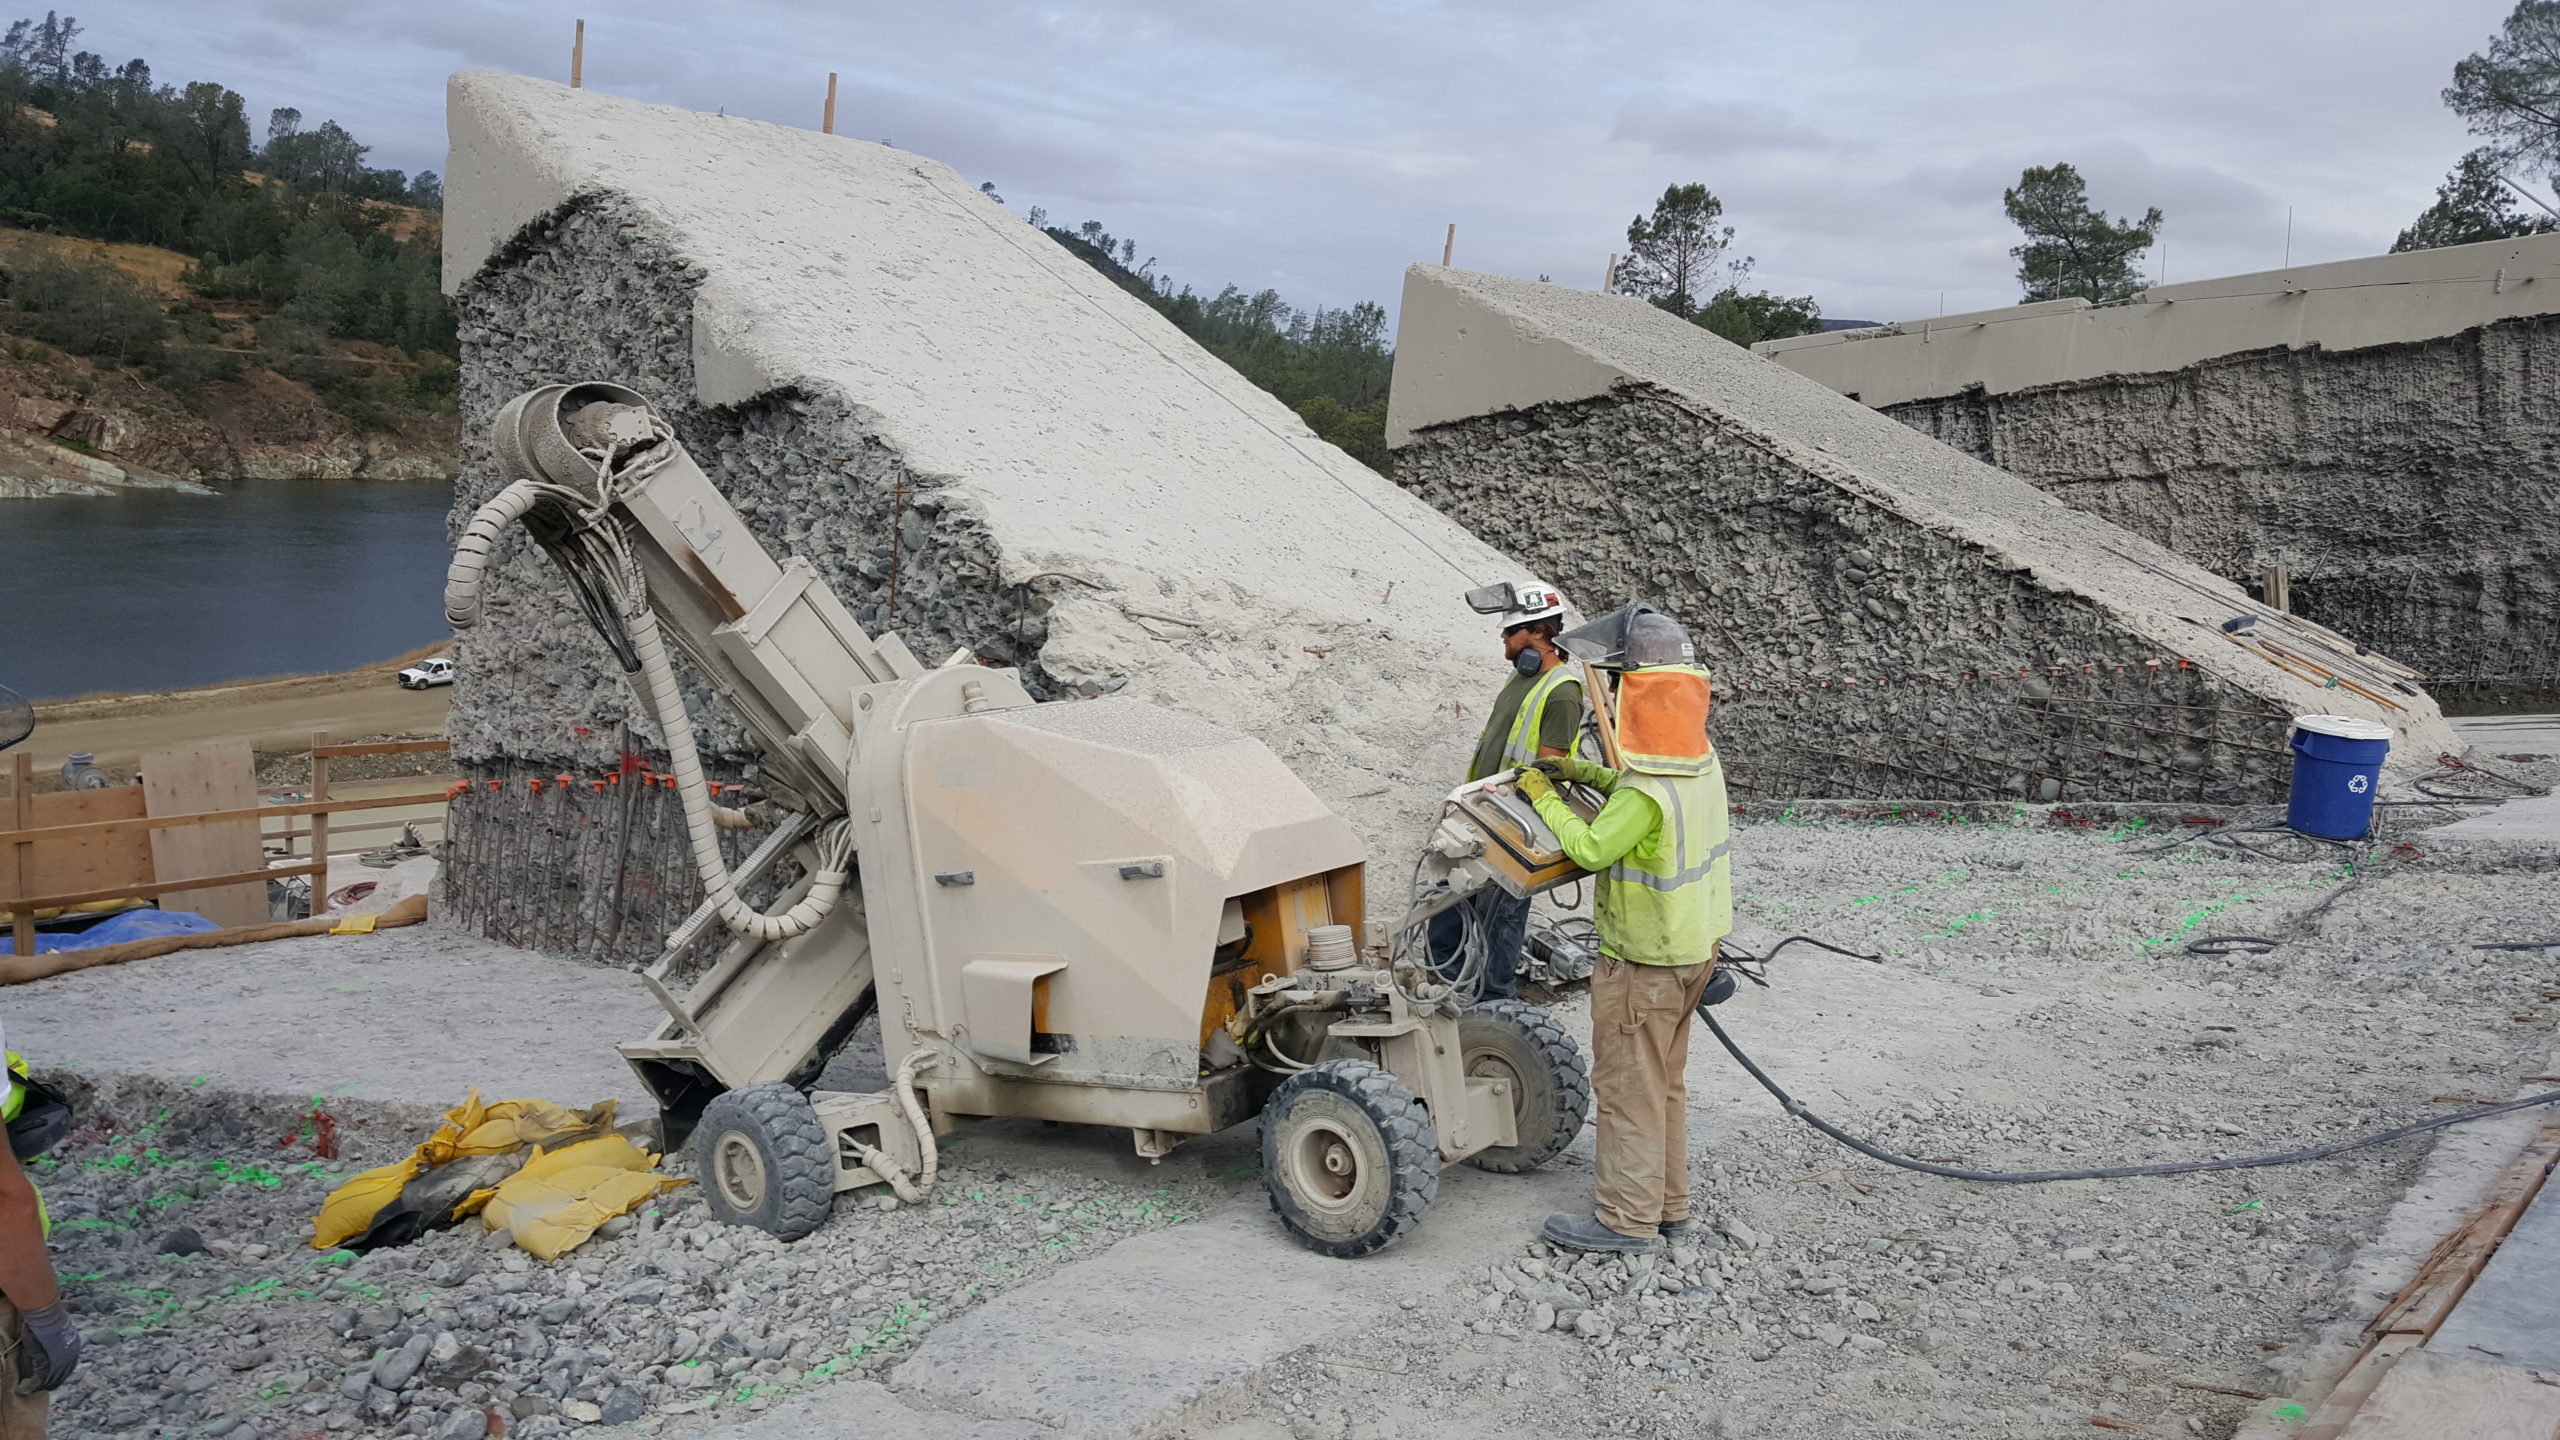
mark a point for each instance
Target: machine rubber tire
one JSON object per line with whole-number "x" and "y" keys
{"x": 762, "y": 1159}
{"x": 1349, "y": 1157}
{"x": 1550, "y": 1083}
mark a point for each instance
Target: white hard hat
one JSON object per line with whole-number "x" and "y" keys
{"x": 1517, "y": 602}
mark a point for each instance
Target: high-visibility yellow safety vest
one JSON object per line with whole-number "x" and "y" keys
{"x": 10, "y": 1109}
{"x": 1520, "y": 747}
{"x": 1670, "y": 899}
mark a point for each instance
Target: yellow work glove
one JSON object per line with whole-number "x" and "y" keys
{"x": 1566, "y": 767}
{"x": 1535, "y": 783}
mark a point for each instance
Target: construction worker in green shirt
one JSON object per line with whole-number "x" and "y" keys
{"x": 1537, "y": 714}
{"x": 1663, "y": 903}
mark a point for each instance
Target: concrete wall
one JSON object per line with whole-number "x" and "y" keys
{"x": 1886, "y": 617}
{"x": 2343, "y": 305}
{"x": 974, "y": 438}
{"x": 2407, "y": 489}
{"x": 2385, "y": 429}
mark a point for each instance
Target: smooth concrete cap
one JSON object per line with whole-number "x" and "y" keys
{"x": 1084, "y": 423}
{"x": 1471, "y": 345}
{"x": 2342, "y": 305}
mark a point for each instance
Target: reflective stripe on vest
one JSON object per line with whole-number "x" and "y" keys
{"x": 1671, "y": 898}
{"x": 1521, "y": 746}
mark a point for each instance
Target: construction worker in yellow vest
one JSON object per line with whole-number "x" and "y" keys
{"x": 1537, "y": 713}
{"x": 36, "y": 1334}
{"x": 1663, "y": 902}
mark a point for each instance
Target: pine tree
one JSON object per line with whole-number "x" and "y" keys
{"x": 1673, "y": 253}
{"x": 2473, "y": 204}
{"x": 2072, "y": 248}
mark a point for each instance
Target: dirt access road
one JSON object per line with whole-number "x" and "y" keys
{"x": 269, "y": 714}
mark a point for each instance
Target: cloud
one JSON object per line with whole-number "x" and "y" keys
{"x": 1716, "y": 129}
{"x": 1860, "y": 148}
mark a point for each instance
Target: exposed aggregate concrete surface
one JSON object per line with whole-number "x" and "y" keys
{"x": 1886, "y": 617}
{"x": 974, "y": 438}
{"x": 2034, "y": 1006}
{"x": 2401, "y": 486}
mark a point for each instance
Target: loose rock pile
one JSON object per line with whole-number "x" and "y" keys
{"x": 186, "y": 1257}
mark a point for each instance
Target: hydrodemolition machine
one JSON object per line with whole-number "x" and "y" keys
{"x": 1097, "y": 911}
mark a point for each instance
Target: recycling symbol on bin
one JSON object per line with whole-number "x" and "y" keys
{"x": 2359, "y": 783}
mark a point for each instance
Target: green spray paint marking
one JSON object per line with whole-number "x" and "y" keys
{"x": 258, "y": 1175}
{"x": 2289, "y": 1412}
{"x": 2187, "y": 926}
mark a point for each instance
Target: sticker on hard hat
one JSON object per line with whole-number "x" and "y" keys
{"x": 2359, "y": 783}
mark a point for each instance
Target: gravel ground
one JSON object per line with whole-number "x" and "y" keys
{"x": 1839, "y": 1296}
{"x": 666, "y": 1318}
{"x": 2034, "y": 1007}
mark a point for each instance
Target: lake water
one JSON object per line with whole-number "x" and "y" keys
{"x": 149, "y": 590}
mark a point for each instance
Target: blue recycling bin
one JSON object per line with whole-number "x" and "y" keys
{"x": 2337, "y": 763}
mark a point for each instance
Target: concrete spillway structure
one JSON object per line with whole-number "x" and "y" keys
{"x": 2386, "y": 429}
{"x": 1886, "y": 617}
{"x": 977, "y": 440}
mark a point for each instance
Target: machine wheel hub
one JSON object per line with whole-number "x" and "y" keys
{"x": 738, "y": 1169}
{"x": 1325, "y": 1167}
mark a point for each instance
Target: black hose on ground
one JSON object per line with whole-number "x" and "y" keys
{"x": 1755, "y": 968}
{"x": 1797, "y": 1108}
{"x": 2212, "y": 945}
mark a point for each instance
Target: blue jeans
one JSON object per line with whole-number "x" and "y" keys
{"x": 1506, "y": 930}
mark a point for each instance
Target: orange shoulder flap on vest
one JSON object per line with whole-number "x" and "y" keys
{"x": 1664, "y": 712}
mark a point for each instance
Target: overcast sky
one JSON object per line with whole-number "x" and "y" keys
{"x": 1320, "y": 146}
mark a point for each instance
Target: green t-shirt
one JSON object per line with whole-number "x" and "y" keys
{"x": 1556, "y": 727}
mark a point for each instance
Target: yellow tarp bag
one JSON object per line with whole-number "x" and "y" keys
{"x": 469, "y": 1130}
{"x": 349, "y": 1210}
{"x": 558, "y": 1199}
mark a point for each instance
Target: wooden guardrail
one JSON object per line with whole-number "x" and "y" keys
{"x": 21, "y": 840}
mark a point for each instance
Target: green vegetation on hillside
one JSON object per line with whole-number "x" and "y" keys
{"x": 1331, "y": 366}
{"x": 306, "y": 260}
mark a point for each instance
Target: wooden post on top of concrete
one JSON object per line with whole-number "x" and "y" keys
{"x": 1449, "y": 247}
{"x": 827, "y": 124}
{"x": 578, "y": 59}
{"x": 2275, "y": 589}
{"x": 1609, "y": 277}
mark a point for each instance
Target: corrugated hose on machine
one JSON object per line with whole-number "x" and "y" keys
{"x": 1754, "y": 968}
{"x": 590, "y": 547}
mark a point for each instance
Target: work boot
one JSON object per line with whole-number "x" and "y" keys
{"x": 1585, "y": 1232}
{"x": 1682, "y": 1232}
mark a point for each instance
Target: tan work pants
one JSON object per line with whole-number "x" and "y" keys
{"x": 1639, "y": 1059}
{"x": 22, "y": 1417}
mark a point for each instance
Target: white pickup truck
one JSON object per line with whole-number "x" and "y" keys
{"x": 438, "y": 671}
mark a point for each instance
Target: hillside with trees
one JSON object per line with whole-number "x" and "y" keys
{"x": 300, "y": 296}
{"x": 1331, "y": 366}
